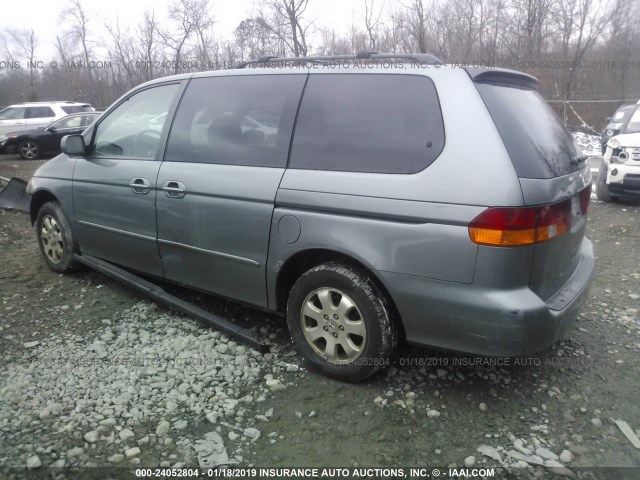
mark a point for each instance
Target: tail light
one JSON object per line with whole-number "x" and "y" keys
{"x": 512, "y": 227}
{"x": 585, "y": 197}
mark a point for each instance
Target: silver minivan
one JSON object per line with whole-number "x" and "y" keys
{"x": 369, "y": 199}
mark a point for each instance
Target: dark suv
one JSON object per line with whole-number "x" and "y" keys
{"x": 367, "y": 199}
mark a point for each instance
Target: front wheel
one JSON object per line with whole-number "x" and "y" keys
{"x": 29, "y": 150}
{"x": 55, "y": 238}
{"x": 340, "y": 322}
{"x": 602, "y": 189}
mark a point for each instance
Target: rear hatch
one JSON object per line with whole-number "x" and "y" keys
{"x": 552, "y": 171}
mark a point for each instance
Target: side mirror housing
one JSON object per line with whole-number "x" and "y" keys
{"x": 73, "y": 145}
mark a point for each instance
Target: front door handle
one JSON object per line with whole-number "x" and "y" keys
{"x": 141, "y": 186}
{"x": 174, "y": 189}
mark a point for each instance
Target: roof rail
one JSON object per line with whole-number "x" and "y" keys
{"x": 47, "y": 102}
{"x": 422, "y": 58}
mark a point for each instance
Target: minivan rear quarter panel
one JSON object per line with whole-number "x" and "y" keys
{"x": 411, "y": 231}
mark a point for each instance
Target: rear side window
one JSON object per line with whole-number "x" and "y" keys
{"x": 40, "y": 112}
{"x": 77, "y": 109}
{"x": 236, "y": 120}
{"x": 537, "y": 142}
{"x": 368, "y": 123}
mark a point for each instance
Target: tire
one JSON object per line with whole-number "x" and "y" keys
{"x": 602, "y": 189}
{"x": 351, "y": 335}
{"x": 55, "y": 238}
{"x": 29, "y": 150}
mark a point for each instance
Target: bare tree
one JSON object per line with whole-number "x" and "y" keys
{"x": 372, "y": 22}
{"x": 189, "y": 17}
{"x": 623, "y": 41}
{"x": 581, "y": 24}
{"x": 75, "y": 16}
{"x": 203, "y": 24}
{"x": 331, "y": 43}
{"x": 255, "y": 39}
{"x": 22, "y": 43}
{"x": 148, "y": 40}
{"x": 123, "y": 51}
{"x": 532, "y": 19}
{"x": 416, "y": 24}
{"x": 284, "y": 18}
{"x": 495, "y": 31}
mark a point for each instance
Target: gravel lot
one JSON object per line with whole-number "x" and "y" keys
{"x": 93, "y": 374}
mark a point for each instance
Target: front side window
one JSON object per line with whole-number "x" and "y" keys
{"x": 236, "y": 120}
{"x": 372, "y": 123}
{"x": 15, "y": 113}
{"x": 134, "y": 128}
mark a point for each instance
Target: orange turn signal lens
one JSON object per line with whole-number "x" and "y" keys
{"x": 514, "y": 227}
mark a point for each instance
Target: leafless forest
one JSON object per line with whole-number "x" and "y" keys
{"x": 586, "y": 53}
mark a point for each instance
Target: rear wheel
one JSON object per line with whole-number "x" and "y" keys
{"x": 602, "y": 189}
{"x": 340, "y": 322}
{"x": 55, "y": 238}
{"x": 29, "y": 150}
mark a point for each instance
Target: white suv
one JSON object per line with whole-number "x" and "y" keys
{"x": 28, "y": 116}
{"x": 619, "y": 175}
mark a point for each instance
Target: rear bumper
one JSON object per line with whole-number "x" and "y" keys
{"x": 483, "y": 321}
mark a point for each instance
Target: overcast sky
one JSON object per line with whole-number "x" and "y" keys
{"x": 44, "y": 16}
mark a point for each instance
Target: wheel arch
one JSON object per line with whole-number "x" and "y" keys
{"x": 298, "y": 263}
{"x": 38, "y": 199}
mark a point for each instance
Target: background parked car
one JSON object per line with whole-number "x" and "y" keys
{"x": 25, "y": 116}
{"x": 619, "y": 175}
{"x": 616, "y": 124}
{"x": 32, "y": 144}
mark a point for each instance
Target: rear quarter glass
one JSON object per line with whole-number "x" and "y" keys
{"x": 538, "y": 144}
{"x": 375, "y": 123}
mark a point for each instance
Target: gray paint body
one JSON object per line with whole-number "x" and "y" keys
{"x": 236, "y": 227}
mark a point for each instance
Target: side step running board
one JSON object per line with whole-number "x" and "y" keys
{"x": 158, "y": 294}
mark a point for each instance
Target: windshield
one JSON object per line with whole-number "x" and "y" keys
{"x": 633, "y": 126}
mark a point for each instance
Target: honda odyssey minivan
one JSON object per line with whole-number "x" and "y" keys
{"x": 369, "y": 199}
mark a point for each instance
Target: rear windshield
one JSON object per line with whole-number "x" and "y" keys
{"x": 537, "y": 142}
{"x": 77, "y": 109}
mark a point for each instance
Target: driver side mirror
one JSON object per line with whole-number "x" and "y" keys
{"x": 73, "y": 145}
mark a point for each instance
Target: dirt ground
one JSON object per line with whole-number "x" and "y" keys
{"x": 565, "y": 398}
